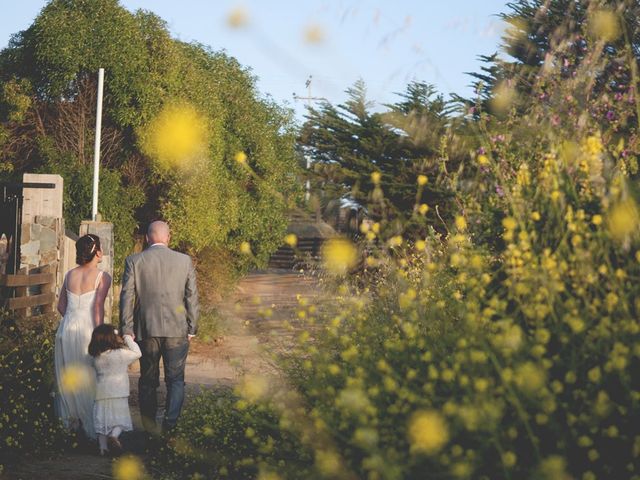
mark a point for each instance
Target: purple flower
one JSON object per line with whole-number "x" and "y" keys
{"x": 555, "y": 120}
{"x": 481, "y": 151}
{"x": 618, "y": 96}
{"x": 610, "y": 115}
{"x": 499, "y": 191}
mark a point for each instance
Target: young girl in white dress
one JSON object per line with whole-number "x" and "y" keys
{"x": 112, "y": 355}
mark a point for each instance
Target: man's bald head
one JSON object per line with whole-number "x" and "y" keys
{"x": 158, "y": 232}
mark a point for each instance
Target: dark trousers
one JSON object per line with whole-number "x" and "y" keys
{"x": 173, "y": 351}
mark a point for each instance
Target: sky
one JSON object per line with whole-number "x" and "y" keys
{"x": 333, "y": 42}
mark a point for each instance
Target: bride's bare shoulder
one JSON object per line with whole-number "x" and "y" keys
{"x": 71, "y": 274}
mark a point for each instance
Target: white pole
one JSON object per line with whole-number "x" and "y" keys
{"x": 96, "y": 147}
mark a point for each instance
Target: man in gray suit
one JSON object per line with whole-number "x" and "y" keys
{"x": 159, "y": 307}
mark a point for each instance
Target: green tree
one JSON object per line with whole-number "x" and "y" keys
{"x": 549, "y": 44}
{"x": 47, "y": 107}
{"x": 349, "y": 142}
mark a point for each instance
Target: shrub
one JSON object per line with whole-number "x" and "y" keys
{"x": 221, "y": 436}
{"x": 509, "y": 360}
{"x": 27, "y": 421}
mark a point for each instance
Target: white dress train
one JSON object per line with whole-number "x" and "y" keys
{"x": 75, "y": 375}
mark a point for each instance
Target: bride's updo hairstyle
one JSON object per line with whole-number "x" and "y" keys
{"x": 86, "y": 248}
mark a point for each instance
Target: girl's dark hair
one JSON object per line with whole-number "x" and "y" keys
{"x": 86, "y": 248}
{"x": 103, "y": 338}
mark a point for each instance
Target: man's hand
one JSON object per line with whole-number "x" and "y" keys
{"x": 189, "y": 337}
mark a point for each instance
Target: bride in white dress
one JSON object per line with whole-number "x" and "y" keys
{"x": 81, "y": 304}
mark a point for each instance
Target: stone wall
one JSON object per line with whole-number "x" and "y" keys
{"x": 41, "y": 242}
{"x": 42, "y": 233}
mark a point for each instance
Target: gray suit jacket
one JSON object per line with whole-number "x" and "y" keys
{"x": 159, "y": 297}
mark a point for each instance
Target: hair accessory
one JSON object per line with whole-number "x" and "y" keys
{"x": 93, "y": 241}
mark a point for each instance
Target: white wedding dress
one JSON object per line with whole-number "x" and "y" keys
{"x": 75, "y": 375}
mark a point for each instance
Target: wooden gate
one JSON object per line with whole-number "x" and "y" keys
{"x": 28, "y": 295}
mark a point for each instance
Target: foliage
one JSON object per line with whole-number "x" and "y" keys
{"x": 220, "y": 436}
{"x": 117, "y": 201}
{"x": 549, "y": 43}
{"x": 505, "y": 346}
{"x": 508, "y": 364}
{"x": 27, "y": 420}
{"x": 48, "y": 96}
{"x": 211, "y": 325}
{"x": 374, "y": 158}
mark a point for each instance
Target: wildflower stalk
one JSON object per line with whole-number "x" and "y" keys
{"x": 515, "y": 401}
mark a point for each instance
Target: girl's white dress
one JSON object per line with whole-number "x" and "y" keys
{"x": 111, "y": 408}
{"x": 75, "y": 377}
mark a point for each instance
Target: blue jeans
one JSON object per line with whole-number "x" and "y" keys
{"x": 173, "y": 351}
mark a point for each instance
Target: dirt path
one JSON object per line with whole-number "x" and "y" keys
{"x": 247, "y": 333}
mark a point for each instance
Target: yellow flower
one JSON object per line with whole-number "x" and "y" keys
{"x": 461, "y": 223}
{"x": 328, "y": 463}
{"x": 509, "y": 223}
{"x": 594, "y": 374}
{"x": 524, "y": 176}
{"x": 375, "y": 177}
{"x": 461, "y": 470}
{"x": 177, "y": 137}
{"x": 420, "y": 245}
{"x": 240, "y": 157}
{"x": 593, "y": 145}
{"x": 245, "y": 248}
{"x": 483, "y": 160}
{"x": 423, "y": 209}
{"x": 604, "y": 25}
{"x": 128, "y": 468}
{"x": 509, "y": 459}
{"x": 504, "y": 95}
{"x": 535, "y": 216}
{"x": 554, "y": 467}
{"x": 237, "y": 18}
{"x": 406, "y": 298}
{"x": 339, "y": 256}
{"x": 253, "y": 387}
{"x": 624, "y": 219}
{"x": 422, "y": 180}
{"x": 428, "y": 432}
{"x": 596, "y": 219}
{"x": 314, "y": 34}
{"x": 76, "y": 377}
{"x": 476, "y": 262}
{"x": 353, "y": 399}
{"x": 395, "y": 241}
{"x": 530, "y": 378}
{"x": 366, "y": 437}
{"x": 291, "y": 239}
{"x": 267, "y": 475}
